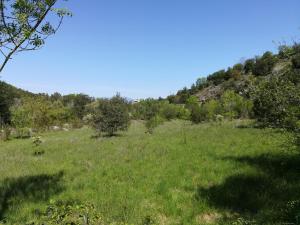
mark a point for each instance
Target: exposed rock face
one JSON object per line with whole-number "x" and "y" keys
{"x": 211, "y": 92}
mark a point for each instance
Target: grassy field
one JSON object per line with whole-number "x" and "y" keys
{"x": 215, "y": 175}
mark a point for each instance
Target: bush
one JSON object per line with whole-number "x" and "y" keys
{"x": 111, "y": 116}
{"x": 23, "y": 133}
{"x": 145, "y": 109}
{"x": 197, "y": 114}
{"x": 169, "y": 111}
{"x": 235, "y": 106}
{"x": 276, "y": 103}
{"x": 172, "y": 111}
{"x": 152, "y": 123}
{"x": 5, "y": 133}
{"x": 264, "y": 65}
{"x": 68, "y": 213}
{"x": 218, "y": 77}
{"x": 292, "y": 212}
{"x": 285, "y": 52}
{"x": 211, "y": 109}
{"x": 249, "y": 65}
{"x": 4, "y": 105}
{"x": 296, "y": 61}
{"x": 37, "y": 141}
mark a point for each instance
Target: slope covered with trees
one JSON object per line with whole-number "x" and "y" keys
{"x": 267, "y": 87}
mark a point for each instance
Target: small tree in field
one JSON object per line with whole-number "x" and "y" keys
{"x": 111, "y": 116}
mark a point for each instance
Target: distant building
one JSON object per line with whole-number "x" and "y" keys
{"x": 136, "y": 101}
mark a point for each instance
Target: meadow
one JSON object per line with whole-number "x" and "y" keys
{"x": 210, "y": 173}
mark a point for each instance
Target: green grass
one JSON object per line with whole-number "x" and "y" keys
{"x": 220, "y": 174}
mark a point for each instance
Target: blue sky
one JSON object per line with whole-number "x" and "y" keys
{"x": 151, "y": 48}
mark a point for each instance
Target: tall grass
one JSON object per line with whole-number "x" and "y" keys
{"x": 207, "y": 173}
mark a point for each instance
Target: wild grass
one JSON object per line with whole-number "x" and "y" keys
{"x": 181, "y": 174}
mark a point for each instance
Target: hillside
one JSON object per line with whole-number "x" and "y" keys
{"x": 241, "y": 77}
{"x": 8, "y": 95}
{"x": 13, "y": 91}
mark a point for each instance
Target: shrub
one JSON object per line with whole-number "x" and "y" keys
{"x": 23, "y": 133}
{"x": 292, "y": 212}
{"x": 264, "y": 65}
{"x": 211, "y": 109}
{"x": 276, "y": 103}
{"x": 169, "y": 111}
{"x": 219, "y": 118}
{"x": 37, "y": 141}
{"x": 4, "y": 105}
{"x": 218, "y": 77}
{"x": 152, "y": 123}
{"x": 184, "y": 113}
{"x": 249, "y": 65}
{"x": 5, "y": 133}
{"x": 172, "y": 111}
{"x": 68, "y": 213}
{"x": 111, "y": 116}
{"x": 296, "y": 61}
{"x": 197, "y": 114}
{"x": 285, "y": 52}
{"x": 201, "y": 83}
{"x": 145, "y": 109}
{"x": 39, "y": 113}
{"x": 235, "y": 106}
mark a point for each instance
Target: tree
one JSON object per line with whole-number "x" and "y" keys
{"x": 265, "y": 64}
{"x": 77, "y": 103}
{"x": 276, "y": 103}
{"x": 211, "y": 109}
{"x": 111, "y": 116}
{"x": 4, "y": 108}
{"x": 24, "y": 25}
{"x": 201, "y": 83}
{"x": 197, "y": 113}
{"x": 235, "y": 106}
{"x": 296, "y": 61}
{"x": 218, "y": 77}
{"x": 249, "y": 65}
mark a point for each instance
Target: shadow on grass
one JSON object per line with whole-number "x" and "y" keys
{"x": 104, "y": 135}
{"x": 263, "y": 195}
{"x": 29, "y": 188}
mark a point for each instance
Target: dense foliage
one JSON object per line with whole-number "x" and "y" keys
{"x": 111, "y": 116}
{"x": 253, "y": 89}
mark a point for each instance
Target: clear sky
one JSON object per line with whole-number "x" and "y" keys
{"x": 151, "y": 48}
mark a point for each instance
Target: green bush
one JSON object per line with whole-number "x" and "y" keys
{"x": 5, "y": 133}
{"x": 276, "y": 103}
{"x": 265, "y": 64}
{"x": 39, "y": 113}
{"x": 172, "y": 111}
{"x": 111, "y": 116}
{"x": 169, "y": 111}
{"x": 68, "y": 213}
{"x": 235, "y": 106}
{"x": 211, "y": 109}
{"x": 198, "y": 114}
{"x": 152, "y": 123}
{"x": 218, "y": 77}
{"x": 23, "y": 133}
{"x": 292, "y": 212}
{"x": 249, "y": 66}
{"x": 296, "y": 61}
{"x": 145, "y": 109}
